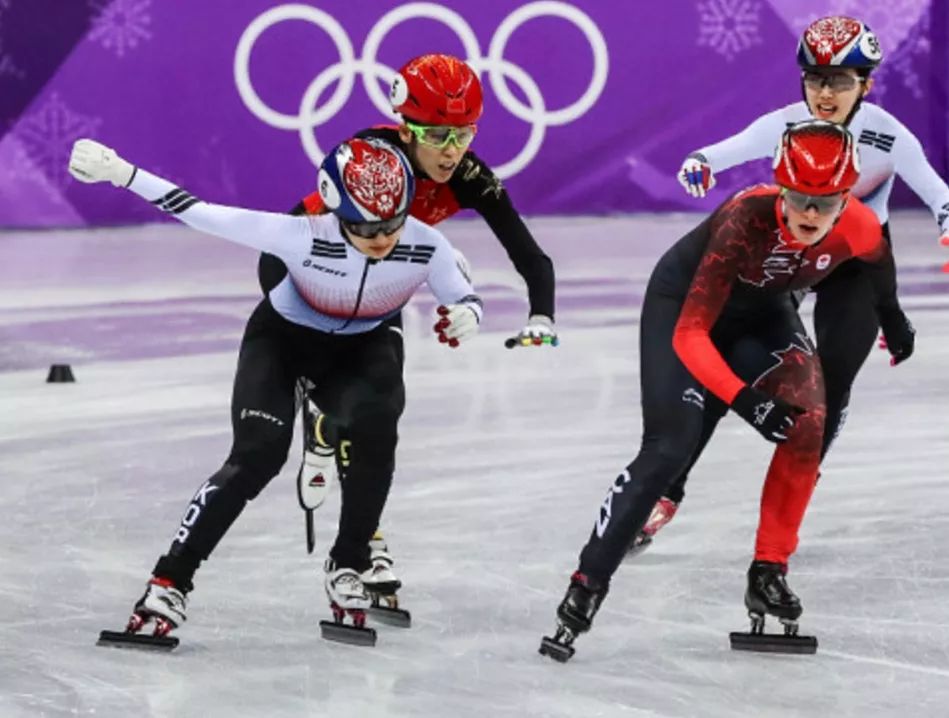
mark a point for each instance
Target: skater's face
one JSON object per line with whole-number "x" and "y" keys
{"x": 810, "y": 218}
{"x": 831, "y": 94}
{"x": 436, "y": 150}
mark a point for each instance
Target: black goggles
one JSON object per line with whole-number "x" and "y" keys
{"x": 836, "y": 81}
{"x": 370, "y": 230}
{"x": 823, "y": 203}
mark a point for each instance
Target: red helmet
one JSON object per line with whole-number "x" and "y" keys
{"x": 816, "y": 157}
{"x": 838, "y": 41}
{"x": 437, "y": 90}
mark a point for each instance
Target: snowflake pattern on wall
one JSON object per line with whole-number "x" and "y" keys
{"x": 48, "y": 133}
{"x": 905, "y": 20}
{"x": 7, "y": 66}
{"x": 729, "y": 27}
{"x": 121, "y": 24}
{"x": 20, "y": 170}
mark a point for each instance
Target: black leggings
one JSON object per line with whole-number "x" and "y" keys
{"x": 358, "y": 378}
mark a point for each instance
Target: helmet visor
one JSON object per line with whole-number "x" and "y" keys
{"x": 834, "y": 81}
{"x": 369, "y": 230}
{"x": 824, "y": 203}
{"x": 438, "y": 136}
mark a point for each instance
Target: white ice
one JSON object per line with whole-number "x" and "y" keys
{"x": 504, "y": 459}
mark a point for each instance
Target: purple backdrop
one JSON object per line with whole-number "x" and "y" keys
{"x": 603, "y": 98}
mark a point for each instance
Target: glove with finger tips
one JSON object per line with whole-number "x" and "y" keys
{"x": 539, "y": 331}
{"x": 91, "y": 161}
{"x": 457, "y": 323}
{"x": 770, "y": 416}
{"x": 899, "y": 336}
{"x": 695, "y": 175}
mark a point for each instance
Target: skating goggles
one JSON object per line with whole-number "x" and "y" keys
{"x": 823, "y": 203}
{"x": 371, "y": 230}
{"x": 835, "y": 81}
{"x": 438, "y": 136}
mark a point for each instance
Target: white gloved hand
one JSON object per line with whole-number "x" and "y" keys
{"x": 92, "y": 161}
{"x": 457, "y": 323}
{"x": 696, "y": 176}
{"x": 538, "y": 332}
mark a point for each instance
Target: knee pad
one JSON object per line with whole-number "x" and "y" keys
{"x": 251, "y": 471}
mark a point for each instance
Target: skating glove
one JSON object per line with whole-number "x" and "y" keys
{"x": 456, "y": 323}
{"x": 695, "y": 175}
{"x": 92, "y": 161}
{"x": 771, "y": 416}
{"x": 538, "y": 332}
{"x": 899, "y": 337}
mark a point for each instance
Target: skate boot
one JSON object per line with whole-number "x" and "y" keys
{"x": 162, "y": 603}
{"x": 348, "y": 597}
{"x": 318, "y": 470}
{"x": 768, "y": 594}
{"x": 382, "y": 585}
{"x": 662, "y": 514}
{"x": 574, "y": 616}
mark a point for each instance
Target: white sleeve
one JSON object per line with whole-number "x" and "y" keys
{"x": 912, "y": 166}
{"x": 447, "y": 282}
{"x": 755, "y": 141}
{"x": 279, "y": 234}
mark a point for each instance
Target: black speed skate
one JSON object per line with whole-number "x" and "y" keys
{"x": 768, "y": 594}
{"x": 574, "y": 616}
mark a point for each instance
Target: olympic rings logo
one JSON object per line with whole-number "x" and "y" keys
{"x": 310, "y": 116}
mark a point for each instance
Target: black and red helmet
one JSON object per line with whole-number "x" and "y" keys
{"x": 816, "y": 157}
{"x": 437, "y": 90}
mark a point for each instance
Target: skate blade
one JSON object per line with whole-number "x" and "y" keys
{"x": 772, "y": 643}
{"x": 398, "y": 617}
{"x": 343, "y": 633}
{"x": 121, "y": 639}
{"x": 557, "y": 651}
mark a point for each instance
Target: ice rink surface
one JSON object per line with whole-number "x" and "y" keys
{"x": 505, "y": 456}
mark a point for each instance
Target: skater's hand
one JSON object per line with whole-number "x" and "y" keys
{"x": 899, "y": 337}
{"x": 771, "y": 416}
{"x": 92, "y": 161}
{"x": 696, "y": 176}
{"x": 457, "y": 323}
{"x": 538, "y": 332}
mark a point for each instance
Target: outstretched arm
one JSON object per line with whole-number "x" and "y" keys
{"x": 278, "y": 234}
{"x": 476, "y": 187}
{"x": 757, "y": 140}
{"x": 913, "y": 167}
